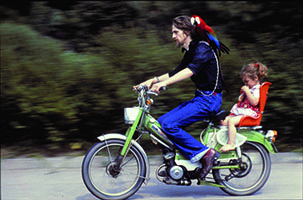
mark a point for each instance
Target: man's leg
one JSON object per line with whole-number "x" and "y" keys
{"x": 184, "y": 115}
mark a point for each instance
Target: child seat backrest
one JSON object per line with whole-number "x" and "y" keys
{"x": 255, "y": 121}
{"x": 263, "y": 95}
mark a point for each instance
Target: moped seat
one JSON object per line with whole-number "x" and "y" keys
{"x": 221, "y": 115}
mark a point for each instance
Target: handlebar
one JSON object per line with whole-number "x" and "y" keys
{"x": 143, "y": 95}
{"x": 145, "y": 88}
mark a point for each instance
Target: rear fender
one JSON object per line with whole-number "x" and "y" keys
{"x": 254, "y": 136}
{"x": 118, "y": 136}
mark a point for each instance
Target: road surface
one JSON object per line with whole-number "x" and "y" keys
{"x": 59, "y": 178}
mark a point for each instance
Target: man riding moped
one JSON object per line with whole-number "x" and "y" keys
{"x": 201, "y": 64}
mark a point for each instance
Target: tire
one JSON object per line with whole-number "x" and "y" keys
{"x": 252, "y": 177}
{"x": 103, "y": 181}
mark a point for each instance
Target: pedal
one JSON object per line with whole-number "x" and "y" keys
{"x": 162, "y": 173}
{"x": 216, "y": 162}
{"x": 217, "y": 156}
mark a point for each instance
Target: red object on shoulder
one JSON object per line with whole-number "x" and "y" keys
{"x": 255, "y": 121}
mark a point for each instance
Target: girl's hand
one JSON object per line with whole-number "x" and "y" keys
{"x": 252, "y": 100}
{"x": 245, "y": 89}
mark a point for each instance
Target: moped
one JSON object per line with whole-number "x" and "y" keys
{"x": 117, "y": 166}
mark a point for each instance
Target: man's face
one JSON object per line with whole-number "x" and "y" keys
{"x": 178, "y": 36}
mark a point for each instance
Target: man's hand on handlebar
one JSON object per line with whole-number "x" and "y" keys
{"x": 158, "y": 86}
{"x": 150, "y": 84}
{"x": 147, "y": 83}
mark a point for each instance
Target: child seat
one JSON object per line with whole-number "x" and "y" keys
{"x": 255, "y": 121}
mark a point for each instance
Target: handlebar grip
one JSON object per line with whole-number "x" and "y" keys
{"x": 163, "y": 88}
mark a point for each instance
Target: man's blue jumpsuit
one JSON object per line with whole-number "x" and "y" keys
{"x": 203, "y": 62}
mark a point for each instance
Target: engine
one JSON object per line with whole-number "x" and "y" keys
{"x": 176, "y": 172}
{"x": 174, "y": 175}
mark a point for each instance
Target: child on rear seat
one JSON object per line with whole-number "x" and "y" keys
{"x": 248, "y": 104}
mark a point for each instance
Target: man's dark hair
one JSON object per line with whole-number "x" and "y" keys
{"x": 183, "y": 23}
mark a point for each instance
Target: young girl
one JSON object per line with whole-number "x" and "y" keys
{"x": 248, "y": 104}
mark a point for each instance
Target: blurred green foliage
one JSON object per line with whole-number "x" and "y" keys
{"x": 67, "y": 69}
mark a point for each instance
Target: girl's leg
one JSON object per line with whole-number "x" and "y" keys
{"x": 232, "y": 132}
{"x": 225, "y": 121}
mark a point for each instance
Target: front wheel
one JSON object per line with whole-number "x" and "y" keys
{"x": 105, "y": 179}
{"x": 251, "y": 176}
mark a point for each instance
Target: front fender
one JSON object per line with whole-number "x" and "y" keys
{"x": 110, "y": 136}
{"x": 254, "y": 136}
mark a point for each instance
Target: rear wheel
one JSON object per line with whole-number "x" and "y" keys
{"x": 105, "y": 179}
{"x": 253, "y": 173}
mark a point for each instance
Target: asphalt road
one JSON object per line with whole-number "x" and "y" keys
{"x": 59, "y": 178}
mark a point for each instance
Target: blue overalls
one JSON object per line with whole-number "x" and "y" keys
{"x": 203, "y": 62}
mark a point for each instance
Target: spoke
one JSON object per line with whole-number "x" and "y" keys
{"x": 108, "y": 151}
{"x": 129, "y": 172}
{"x": 133, "y": 173}
{"x": 127, "y": 162}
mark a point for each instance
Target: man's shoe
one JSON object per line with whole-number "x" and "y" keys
{"x": 207, "y": 162}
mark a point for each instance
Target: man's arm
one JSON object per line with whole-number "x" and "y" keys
{"x": 165, "y": 80}
{"x": 152, "y": 81}
{"x": 163, "y": 77}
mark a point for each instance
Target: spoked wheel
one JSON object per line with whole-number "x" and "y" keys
{"x": 105, "y": 179}
{"x": 251, "y": 176}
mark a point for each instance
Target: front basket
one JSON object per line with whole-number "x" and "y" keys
{"x": 130, "y": 114}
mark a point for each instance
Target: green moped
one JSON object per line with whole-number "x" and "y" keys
{"x": 117, "y": 166}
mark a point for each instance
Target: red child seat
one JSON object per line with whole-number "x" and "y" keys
{"x": 255, "y": 121}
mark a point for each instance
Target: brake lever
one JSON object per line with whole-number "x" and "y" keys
{"x": 154, "y": 93}
{"x": 151, "y": 92}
